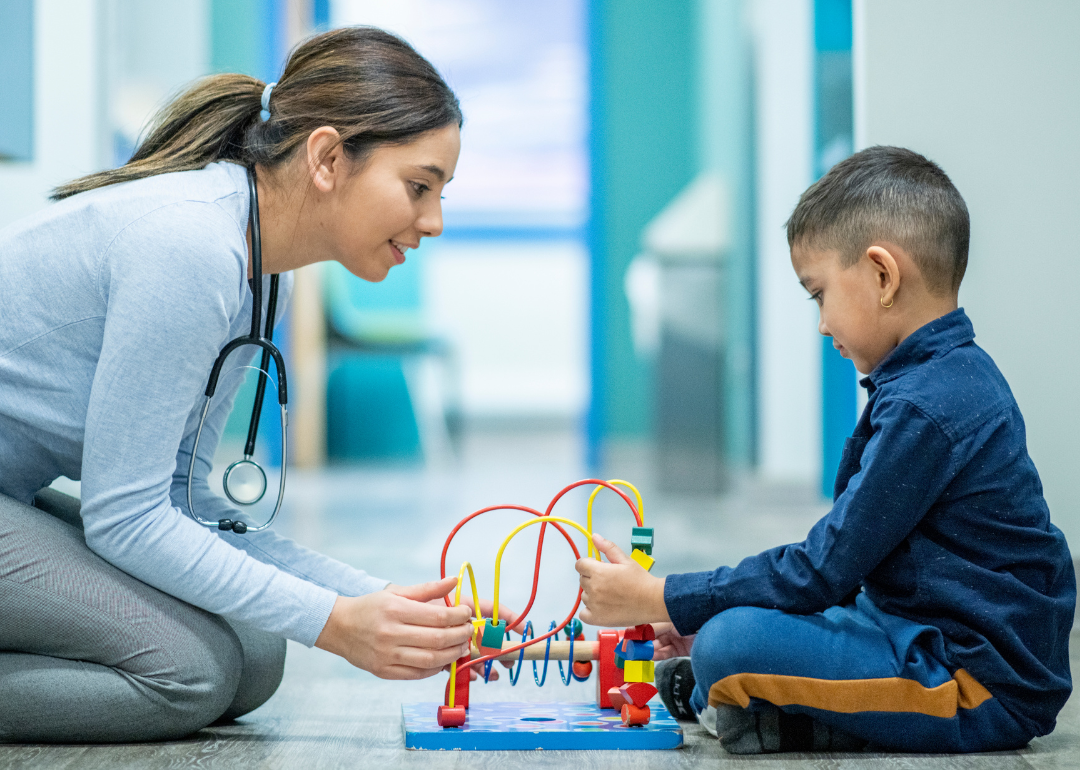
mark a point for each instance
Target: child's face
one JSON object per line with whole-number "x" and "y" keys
{"x": 849, "y": 303}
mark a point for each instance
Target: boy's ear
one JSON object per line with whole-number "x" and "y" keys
{"x": 887, "y": 272}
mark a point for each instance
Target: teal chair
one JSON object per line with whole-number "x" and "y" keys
{"x": 377, "y": 344}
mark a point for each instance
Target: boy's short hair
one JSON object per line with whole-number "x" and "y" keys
{"x": 893, "y": 194}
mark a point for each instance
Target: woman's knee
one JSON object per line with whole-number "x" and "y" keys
{"x": 264, "y": 666}
{"x": 202, "y": 679}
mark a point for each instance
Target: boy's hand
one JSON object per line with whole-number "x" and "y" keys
{"x": 620, "y": 593}
{"x": 670, "y": 643}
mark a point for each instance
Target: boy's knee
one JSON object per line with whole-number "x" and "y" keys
{"x": 729, "y": 643}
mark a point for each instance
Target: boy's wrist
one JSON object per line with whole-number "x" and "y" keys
{"x": 655, "y": 600}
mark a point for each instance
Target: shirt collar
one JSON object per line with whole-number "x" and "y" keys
{"x": 928, "y": 342}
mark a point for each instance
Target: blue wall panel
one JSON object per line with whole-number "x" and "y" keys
{"x": 16, "y": 79}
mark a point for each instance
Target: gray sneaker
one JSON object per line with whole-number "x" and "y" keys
{"x": 675, "y": 683}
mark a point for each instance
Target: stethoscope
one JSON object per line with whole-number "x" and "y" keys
{"x": 245, "y": 480}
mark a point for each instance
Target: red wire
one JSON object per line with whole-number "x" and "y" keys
{"x": 539, "y": 552}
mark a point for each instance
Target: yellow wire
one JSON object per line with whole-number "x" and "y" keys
{"x": 498, "y": 557}
{"x": 618, "y": 483}
{"x": 457, "y": 602}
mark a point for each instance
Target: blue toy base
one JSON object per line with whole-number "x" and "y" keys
{"x": 515, "y": 726}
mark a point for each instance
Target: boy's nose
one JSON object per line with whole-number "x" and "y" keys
{"x": 822, "y": 328}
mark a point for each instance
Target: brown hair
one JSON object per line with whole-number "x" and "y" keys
{"x": 894, "y": 194}
{"x": 369, "y": 85}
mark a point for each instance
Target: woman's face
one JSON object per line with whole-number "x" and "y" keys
{"x": 394, "y": 199}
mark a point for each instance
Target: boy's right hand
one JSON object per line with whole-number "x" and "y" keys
{"x": 395, "y": 633}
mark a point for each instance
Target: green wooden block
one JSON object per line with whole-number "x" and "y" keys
{"x": 642, "y": 537}
{"x": 494, "y": 633}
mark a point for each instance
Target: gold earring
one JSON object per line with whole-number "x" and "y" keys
{"x": 884, "y": 305}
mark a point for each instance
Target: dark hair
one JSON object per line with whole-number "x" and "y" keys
{"x": 369, "y": 85}
{"x": 893, "y": 194}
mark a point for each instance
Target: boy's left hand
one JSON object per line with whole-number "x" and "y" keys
{"x": 620, "y": 593}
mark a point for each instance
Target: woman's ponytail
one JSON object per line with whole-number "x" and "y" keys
{"x": 369, "y": 85}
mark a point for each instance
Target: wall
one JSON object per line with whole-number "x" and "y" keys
{"x": 69, "y": 122}
{"x": 643, "y": 143}
{"x": 990, "y": 90}
{"x": 789, "y": 378}
{"x": 726, "y": 145}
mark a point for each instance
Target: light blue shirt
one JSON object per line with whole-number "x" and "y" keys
{"x": 113, "y": 306}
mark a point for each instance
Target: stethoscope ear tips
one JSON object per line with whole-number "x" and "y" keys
{"x": 238, "y": 527}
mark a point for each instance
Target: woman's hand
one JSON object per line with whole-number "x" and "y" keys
{"x": 396, "y": 634}
{"x": 486, "y": 608}
{"x": 620, "y": 593}
{"x": 670, "y": 643}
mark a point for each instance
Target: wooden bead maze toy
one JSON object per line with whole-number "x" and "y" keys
{"x": 622, "y": 716}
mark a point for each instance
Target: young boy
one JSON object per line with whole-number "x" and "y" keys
{"x": 930, "y": 610}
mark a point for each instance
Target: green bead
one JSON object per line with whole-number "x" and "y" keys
{"x": 642, "y": 537}
{"x": 494, "y": 633}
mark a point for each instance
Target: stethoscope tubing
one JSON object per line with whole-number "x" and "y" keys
{"x": 269, "y": 351}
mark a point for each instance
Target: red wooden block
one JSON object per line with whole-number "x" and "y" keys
{"x": 637, "y": 693}
{"x": 617, "y": 699}
{"x": 642, "y": 633}
{"x": 635, "y": 715}
{"x": 608, "y": 675}
{"x": 461, "y": 691}
{"x": 451, "y": 717}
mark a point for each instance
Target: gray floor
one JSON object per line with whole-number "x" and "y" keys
{"x": 392, "y": 521}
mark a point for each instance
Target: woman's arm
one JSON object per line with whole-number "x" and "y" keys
{"x": 173, "y": 281}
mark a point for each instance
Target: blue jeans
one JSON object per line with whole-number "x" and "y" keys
{"x": 854, "y": 668}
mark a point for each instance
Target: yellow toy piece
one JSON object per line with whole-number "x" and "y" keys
{"x": 643, "y": 559}
{"x": 638, "y": 671}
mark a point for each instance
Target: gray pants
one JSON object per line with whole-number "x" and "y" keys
{"x": 90, "y": 654}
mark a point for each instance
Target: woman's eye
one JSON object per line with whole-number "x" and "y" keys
{"x": 419, "y": 188}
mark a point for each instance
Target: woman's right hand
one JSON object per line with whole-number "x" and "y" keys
{"x": 396, "y": 634}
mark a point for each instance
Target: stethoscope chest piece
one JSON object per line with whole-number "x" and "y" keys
{"x": 245, "y": 482}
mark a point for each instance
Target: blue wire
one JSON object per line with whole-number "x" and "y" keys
{"x": 569, "y": 676}
{"x": 547, "y": 656}
{"x": 528, "y": 633}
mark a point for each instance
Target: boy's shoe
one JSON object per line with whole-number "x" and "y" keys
{"x": 675, "y": 683}
{"x": 769, "y": 730}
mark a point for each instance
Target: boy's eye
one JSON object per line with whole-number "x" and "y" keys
{"x": 816, "y": 297}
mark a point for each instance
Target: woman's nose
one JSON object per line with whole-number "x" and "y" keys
{"x": 430, "y": 223}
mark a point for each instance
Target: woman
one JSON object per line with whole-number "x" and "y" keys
{"x": 128, "y": 620}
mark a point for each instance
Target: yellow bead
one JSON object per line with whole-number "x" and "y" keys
{"x": 643, "y": 559}
{"x": 638, "y": 671}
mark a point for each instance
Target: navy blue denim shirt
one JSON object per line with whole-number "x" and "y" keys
{"x": 939, "y": 517}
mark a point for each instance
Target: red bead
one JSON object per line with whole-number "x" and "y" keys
{"x": 642, "y": 633}
{"x": 451, "y": 717}
{"x": 635, "y": 715}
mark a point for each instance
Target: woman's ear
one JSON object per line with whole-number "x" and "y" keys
{"x": 325, "y": 158}
{"x": 887, "y": 272}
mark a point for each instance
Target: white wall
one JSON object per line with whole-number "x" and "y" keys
{"x": 990, "y": 89}
{"x": 68, "y": 115}
{"x": 517, "y": 314}
{"x": 789, "y": 374}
